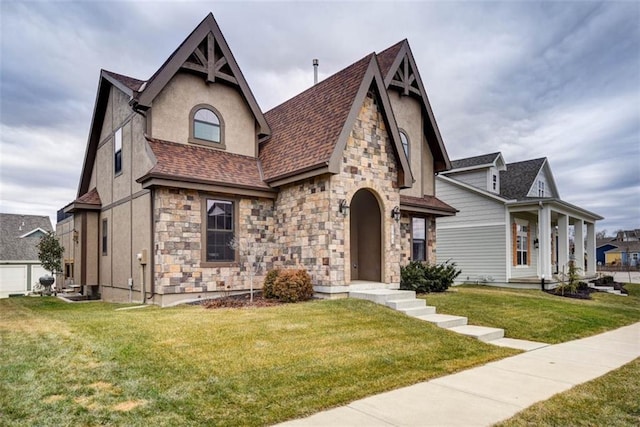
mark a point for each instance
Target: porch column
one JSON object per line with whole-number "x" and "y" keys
{"x": 591, "y": 249}
{"x": 578, "y": 244}
{"x": 563, "y": 243}
{"x": 544, "y": 221}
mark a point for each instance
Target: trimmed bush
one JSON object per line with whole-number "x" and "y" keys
{"x": 288, "y": 285}
{"x": 423, "y": 278}
{"x": 269, "y": 280}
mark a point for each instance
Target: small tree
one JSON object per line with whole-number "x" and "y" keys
{"x": 253, "y": 253}
{"x": 50, "y": 253}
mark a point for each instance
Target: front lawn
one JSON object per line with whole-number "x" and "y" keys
{"x": 88, "y": 364}
{"x": 538, "y": 316}
{"x": 611, "y": 400}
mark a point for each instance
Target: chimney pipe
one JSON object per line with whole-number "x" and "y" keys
{"x": 315, "y": 71}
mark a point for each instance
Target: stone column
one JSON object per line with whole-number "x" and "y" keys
{"x": 591, "y": 249}
{"x": 544, "y": 222}
{"x": 563, "y": 243}
{"x": 579, "y": 244}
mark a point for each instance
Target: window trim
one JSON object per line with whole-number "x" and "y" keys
{"x": 117, "y": 137}
{"x": 193, "y": 140}
{"x": 203, "y": 230}
{"x": 426, "y": 233}
{"x": 517, "y": 233}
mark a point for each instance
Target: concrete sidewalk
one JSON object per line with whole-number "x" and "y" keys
{"x": 491, "y": 393}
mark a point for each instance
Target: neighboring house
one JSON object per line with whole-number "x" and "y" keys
{"x": 19, "y": 264}
{"x": 512, "y": 225}
{"x": 339, "y": 180}
{"x": 623, "y": 254}
{"x": 602, "y": 246}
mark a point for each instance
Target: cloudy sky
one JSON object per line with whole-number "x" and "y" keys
{"x": 557, "y": 80}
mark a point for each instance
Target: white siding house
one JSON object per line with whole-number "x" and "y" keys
{"x": 510, "y": 228}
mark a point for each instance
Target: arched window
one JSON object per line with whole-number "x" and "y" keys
{"x": 405, "y": 143}
{"x": 206, "y": 126}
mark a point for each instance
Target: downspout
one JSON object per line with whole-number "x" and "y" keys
{"x": 134, "y": 107}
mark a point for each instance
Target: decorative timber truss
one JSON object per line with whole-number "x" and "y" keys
{"x": 208, "y": 59}
{"x": 405, "y": 79}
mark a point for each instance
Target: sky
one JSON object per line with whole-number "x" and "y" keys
{"x": 530, "y": 79}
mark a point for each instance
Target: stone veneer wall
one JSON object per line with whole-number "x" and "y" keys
{"x": 310, "y": 230}
{"x": 178, "y": 244}
{"x": 405, "y": 233}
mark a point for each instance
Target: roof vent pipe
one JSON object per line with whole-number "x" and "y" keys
{"x": 315, "y": 71}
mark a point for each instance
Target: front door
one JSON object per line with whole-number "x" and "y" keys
{"x": 366, "y": 237}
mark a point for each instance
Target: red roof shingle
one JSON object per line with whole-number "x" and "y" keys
{"x": 427, "y": 202}
{"x": 91, "y": 197}
{"x": 206, "y": 165}
{"x": 306, "y": 128}
{"x": 387, "y": 57}
{"x": 130, "y": 82}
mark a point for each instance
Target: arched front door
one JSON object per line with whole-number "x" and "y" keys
{"x": 366, "y": 237}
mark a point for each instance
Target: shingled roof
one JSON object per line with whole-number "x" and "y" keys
{"x": 17, "y": 237}
{"x": 182, "y": 162}
{"x": 427, "y": 203}
{"x": 469, "y": 162}
{"x": 388, "y": 56}
{"x": 129, "y": 82}
{"x": 306, "y": 128}
{"x": 516, "y": 181}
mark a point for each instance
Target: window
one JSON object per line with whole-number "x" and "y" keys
{"x": 220, "y": 228}
{"x": 117, "y": 150}
{"x": 522, "y": 244}
{"x": 68, "y": 270}
{"x": 206, "y": 125}
{"x": 405, "y": 143}
{"x": 419, "y": 239}
{"x": 104, "y": 236}
{"x": 540, "y": 188}
{"x": 495, "y": 182}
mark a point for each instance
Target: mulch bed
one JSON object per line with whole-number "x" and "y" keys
{"x": 584, "y": 292}
{"x": 239, "y": 301}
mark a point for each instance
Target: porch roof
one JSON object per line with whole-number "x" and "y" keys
{"x": 88, "y": 201}
{"x": 557, "y": 204}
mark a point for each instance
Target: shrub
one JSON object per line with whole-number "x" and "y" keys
{"x": 288, "y": 285}
{"x": 269, "y": 280}
{"x": 422, "y": 278}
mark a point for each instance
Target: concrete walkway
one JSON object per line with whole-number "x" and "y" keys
{"x": 491, "y": 393}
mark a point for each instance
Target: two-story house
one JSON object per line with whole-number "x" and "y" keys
{"x": 338, "y": 180}
{"x": 512, "y": 226}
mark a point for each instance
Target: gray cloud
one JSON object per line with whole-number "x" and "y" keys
{"x": 558, "y": 80}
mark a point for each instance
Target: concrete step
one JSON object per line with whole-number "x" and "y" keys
{"x": 381, "y": 296}
{"x": 417, "y": 311}
{"x": 482, "y": 333}
{"x": 444, "y": 320}
{"x": 603, "y": 288}
{"x": 406, "y": 303}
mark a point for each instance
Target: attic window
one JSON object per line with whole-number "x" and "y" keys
{"x": 117, "y": 151}
{"x": 540, "y": 188}
{"x": 206, "y": 125}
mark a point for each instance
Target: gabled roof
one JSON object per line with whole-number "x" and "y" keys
{"x": 631, "y": 246}
{"x": 17, "y": 238}
{"x": 516, "y": 181}
{"x": 190, "y": 163}
{"x": 310, "y": 131}
{"x": 484, "y": 160}
{"x": 204, "y": 51}
{"x": 400, "y": 72}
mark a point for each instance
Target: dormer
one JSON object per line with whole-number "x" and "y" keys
{"x": 480, "y": 171}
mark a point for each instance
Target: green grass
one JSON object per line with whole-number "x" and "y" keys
{"x": 538, "y": 316}
{"x": 88, "y": 364}
{"x": 611, "y": 400}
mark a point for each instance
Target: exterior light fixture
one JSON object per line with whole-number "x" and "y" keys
{"x": 75, "y": 236}
{"x": 536, "y": 243}
{"x": 343, "y": 207}
{"x": 395, "y": 213}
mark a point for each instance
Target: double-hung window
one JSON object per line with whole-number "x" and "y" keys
{"x": 419, "y": 239}
{"x": 522, "y": 244}
{"x": 219, "y": 231}
{"x": 540, "y": 188}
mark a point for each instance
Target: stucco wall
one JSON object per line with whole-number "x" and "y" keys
{"x": 408, "y": 114}
{"x": 171, "y": 108}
